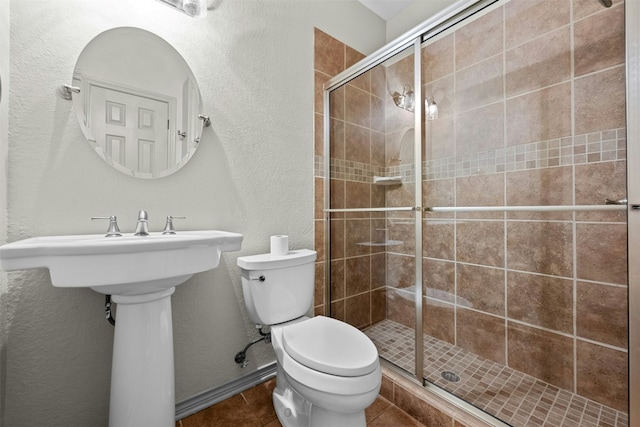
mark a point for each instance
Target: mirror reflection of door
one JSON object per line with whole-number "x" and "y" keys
{"x": 134, "y": 130}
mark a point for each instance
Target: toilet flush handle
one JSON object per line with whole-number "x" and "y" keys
{"x": 260, "y": 279}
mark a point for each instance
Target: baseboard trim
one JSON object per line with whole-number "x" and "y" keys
{"x": 218, "y": 394}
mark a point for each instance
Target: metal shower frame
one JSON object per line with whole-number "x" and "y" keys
{"x": 415, "y": 37}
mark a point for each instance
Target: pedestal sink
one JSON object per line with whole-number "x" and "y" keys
{"x": 140, "y": 273}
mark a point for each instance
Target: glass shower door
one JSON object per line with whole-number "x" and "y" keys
{"x": 525, "y": 267}
{"x": 372, "y": 206}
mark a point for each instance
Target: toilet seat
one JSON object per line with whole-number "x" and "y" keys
{"x": 330, "y": 346}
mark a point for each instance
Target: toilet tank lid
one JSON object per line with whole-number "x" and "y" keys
{"x": 268, "y": 261}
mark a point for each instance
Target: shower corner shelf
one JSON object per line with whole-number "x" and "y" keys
{"x": 387, "y": 243}
{"x": 387, "y": 180}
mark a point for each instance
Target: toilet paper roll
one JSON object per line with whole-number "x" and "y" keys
{"x": 279, "y": 245}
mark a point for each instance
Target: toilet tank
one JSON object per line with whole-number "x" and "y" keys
{"x": 278, "y": 288}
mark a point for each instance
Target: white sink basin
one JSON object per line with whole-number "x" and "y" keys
{"x": 125, "y": 265}
{"x": 140, "y": 272}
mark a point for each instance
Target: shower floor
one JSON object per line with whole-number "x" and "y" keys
{"x": 512, "y": 396}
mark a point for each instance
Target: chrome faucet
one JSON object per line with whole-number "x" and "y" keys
{"x": 142, "y": 228}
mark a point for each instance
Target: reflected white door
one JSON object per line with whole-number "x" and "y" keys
{"x": 133, "y": 129}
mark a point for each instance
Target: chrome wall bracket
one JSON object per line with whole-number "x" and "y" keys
{"x": 66, "y": 91}
{"x": 206, "y": 121}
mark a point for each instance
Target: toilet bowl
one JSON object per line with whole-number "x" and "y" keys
{"x": 329, "y": 364}
{"x": 328, "y": 371}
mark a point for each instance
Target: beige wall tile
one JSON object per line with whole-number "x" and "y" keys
{"x": 439, "y": 139}
{"x": 357, "y": 195}
{"x": 480, "y": 242}
{"x": 336, "y": 103}
{"x": 596, "y": 182}
{"x": 358, "y": 310}
{"x": 583, "y": 8}
{"x": 438, "y": 193}
{"x": 481, "y": 129}
{"x": 599, "y": 41}
{"x": 318, "y": 134}
{"x": 401, "y": 72}
{"x": 337, "y": 230}
{"x": 438, "y": 319}
{"x": 542, "y": 62}
{"x": 336, "y": 142}
{"x": 439, "y": 279}
{"x": 357, "y": 145}
{"x": 438, "y": 239}
{"x": 481, "y": 288}
{"x": 540, "y": 247}
{"x": 481, "y": 334}
{"x": 544, "y": 187}
{"x": 337, "y": 280}
{"x": 401, "y": 307}
{"x": 443, "y": 93}
{"x": 601, "y": 313}
{"x": 329, "y": 53}
{"x": 318, "y": 295}
{"x": 377, "y": 114}
{"x": 437, "y": 59}
{"x": 400, "y": 271}
{"x": 378, "y": 270}
{"x": 541, "y": 300}
{"x": 481, "y": 190}
{"x": 480, "y": 84}
{"x": 539, "y": 116}
{"x": 337, "y": 195}
{"x": 379, "y": 82}
{"x": 402, "y": 231}
{"x": 600, "y": 101}
{"x": 357, "y": 231}
{"x": 525, "y": 19}
{"x": 319, "y": 234}
{"x": 357, "y": 106}
{"x": 363, "y": 81}
{"x": 602, "y": 252}
{"x": 378, "y": 149}
{"x": 378, "y": 305}
{"x": 602, "y": 375}
{"x": 542, "y": 354}
{"x": 338, "y": 310}
{"x": 358, "y": 275}
{"x": 479, "y": 39}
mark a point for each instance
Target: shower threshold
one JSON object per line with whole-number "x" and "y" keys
{"x": 509, "y": 395}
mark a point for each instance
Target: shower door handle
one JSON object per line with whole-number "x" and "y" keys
{"x": 616, "y": 202}
{"x": 634, "y": 206}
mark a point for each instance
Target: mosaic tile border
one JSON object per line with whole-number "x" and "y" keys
{"x": 605, "y": 146}
{"x": 512, "y": 396}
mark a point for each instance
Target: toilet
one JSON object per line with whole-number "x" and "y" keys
{"x": 328, "y": 371}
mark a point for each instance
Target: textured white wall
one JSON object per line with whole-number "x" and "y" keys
{"x": 252, "y": 174}
{"x": 4, "y": 135}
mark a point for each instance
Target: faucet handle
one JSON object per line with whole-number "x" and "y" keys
{"x": 142, "y": 215}
{"x": 168, "y": 227}
{"x": 113, "y": 230}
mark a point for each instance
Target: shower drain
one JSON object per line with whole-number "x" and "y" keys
{"x": 450, "y": 376}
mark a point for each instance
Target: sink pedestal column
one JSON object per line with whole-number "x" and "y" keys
{"x": 142, "y": 376}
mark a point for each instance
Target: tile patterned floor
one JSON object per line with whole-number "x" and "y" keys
{"x": 254, "y": 408}
{"x": 514, "y": 397}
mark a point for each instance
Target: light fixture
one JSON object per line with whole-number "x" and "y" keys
{"x": 193, "y": 8}
{"x": 431, "y": 108}
{"x": 406, "y": 101}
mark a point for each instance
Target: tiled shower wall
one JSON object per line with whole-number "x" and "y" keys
{"x": 531, "y": 101}
{"x": 357, "y": 117}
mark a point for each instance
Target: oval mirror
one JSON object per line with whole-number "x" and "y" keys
{"x": 137, "y": 102}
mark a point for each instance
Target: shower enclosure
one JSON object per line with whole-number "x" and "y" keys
{"x": 475, "y": 207}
